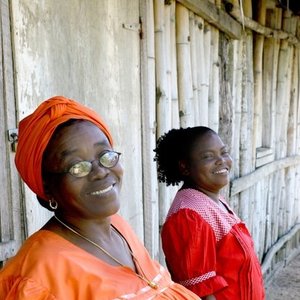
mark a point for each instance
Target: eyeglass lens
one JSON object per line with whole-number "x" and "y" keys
{"x": 107, "y": 160}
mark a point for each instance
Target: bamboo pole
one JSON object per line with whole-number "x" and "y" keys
{"x": 150, "y": 187}
{"x": 276, "y": 247}
{"x": 283, "y": 86}
{"x": 163, "y": 102}
{"x": 226, "y": 105}
{"x": 162, "y": 93}
{"x": 271, "y": 50}
{"x": 185, "y": 90}
{"x": 214, "y": 82}
{"x": 174, "y": 86}
{"x": 194, "y": 67}
{"x": 199, "y": 57}
{"x": 258, "y": 77}
{"x": 203, "y": 71}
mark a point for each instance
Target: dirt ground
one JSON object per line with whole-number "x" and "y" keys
{"x": 286, "y": 282}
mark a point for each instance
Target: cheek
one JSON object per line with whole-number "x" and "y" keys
{"x": 67, "y": 189}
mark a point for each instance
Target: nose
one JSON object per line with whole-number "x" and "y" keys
{"x": 220, "y": 159}
{"x": 98, "y": 171}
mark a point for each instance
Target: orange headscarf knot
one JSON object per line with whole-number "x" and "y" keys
{"x": 35, "y": 132}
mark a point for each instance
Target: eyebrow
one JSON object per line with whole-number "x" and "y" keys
{"x": 66, "y": 153}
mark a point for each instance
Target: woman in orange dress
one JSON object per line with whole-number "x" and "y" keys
{"x": 208, "y": 248}
{"x": 86, "y": 250}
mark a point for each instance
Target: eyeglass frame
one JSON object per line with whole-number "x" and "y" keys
{"x": 67, "y": 171}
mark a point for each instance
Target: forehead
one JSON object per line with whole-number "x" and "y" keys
{"x": 75, "y": 136}
{"x": 208, "y": 141}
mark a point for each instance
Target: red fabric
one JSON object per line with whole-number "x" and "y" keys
{"x": 210, "y": 251}
{"x": 36, "y": 130}
{"x": 49, "y": 267}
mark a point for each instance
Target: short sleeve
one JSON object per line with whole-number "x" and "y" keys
{"x": 23, "y": 289}
{"x": 189, "y": 245}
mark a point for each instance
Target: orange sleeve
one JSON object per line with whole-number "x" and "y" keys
{"x": 24, "y": 289}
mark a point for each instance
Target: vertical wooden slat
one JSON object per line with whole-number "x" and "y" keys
{"x": 214, "y": 82}
{"x": 173, "y": 57}
{"x": 257, "y": 63}
{"x": 150, "y": 187}
{"x": 203, "y": 70}
{"x": 194, "y": 68}
{"x": 185, "y": 89}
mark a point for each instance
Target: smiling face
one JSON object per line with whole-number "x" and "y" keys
{"x": 95, "y": 195}
{"x": 208, "y": 165}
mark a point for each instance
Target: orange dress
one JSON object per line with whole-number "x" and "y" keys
{"x": 48, "y": 267}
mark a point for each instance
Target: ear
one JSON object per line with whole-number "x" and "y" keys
{"x": 183, "y": 168}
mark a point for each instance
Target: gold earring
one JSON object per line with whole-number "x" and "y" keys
{"x": 53, "y": 204}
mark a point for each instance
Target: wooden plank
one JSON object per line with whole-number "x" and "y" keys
{"x": 215, "y": 16}
{"x": 243, "y": 183}
{"x": 8, "y": 249}
{"x": 15, "y": 213}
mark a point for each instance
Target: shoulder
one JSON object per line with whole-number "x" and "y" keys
{"x": 190, "y": 199}
{"x": 23, "y": 273}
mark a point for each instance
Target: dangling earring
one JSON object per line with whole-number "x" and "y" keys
{"x": 53, "y": 204}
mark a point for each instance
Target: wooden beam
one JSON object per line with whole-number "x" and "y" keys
{"x": 243, "y": 183}
{"x": 263, "y": 30}
{"x": 277, "y": 246}
{"x": 215, "y": 16}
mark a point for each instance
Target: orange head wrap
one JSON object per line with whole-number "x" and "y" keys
{"x": 35, "y": 132}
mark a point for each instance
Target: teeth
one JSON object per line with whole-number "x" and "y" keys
{"x": 102, "y": 191}
{"x": 221, "y": 171}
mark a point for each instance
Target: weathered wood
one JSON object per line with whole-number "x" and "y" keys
{"x": 150, "y": 196}
{"x": 8, "y": 249}
{"x": 214, "y": 16}
{"x": 243, "y": 183}
{"x": 194, "y": 62}
{"x": 214, "y": 82}
{"x": 263, "y": 30}
{"x": 12, "y": 229}
{"x": 258, "y": 76}
{"x": 266, "y": 264}
{"x": 184, "y": 73}
{"x": 174, "y": 84}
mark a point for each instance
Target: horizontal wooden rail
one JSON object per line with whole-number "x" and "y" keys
{"x": 215, "y": 16}
{"x": 8, "y": 249}
{"x": 266, "y": 264}
{"x": 263, "y": 30}
{"x": 240, "y": 184}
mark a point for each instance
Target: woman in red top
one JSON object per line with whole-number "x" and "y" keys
{"x": 208, "y": 248}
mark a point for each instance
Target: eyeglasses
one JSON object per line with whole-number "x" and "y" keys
{"x": 107, "y": 159}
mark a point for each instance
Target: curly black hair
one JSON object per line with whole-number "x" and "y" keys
{"x": 173, "y": 146}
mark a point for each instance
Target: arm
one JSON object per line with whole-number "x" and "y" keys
{"x": 210, "y": 297}
{"x": 189, "y": 245}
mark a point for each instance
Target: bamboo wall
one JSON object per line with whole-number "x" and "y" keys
{"x": 238, "y": 73}
{"x": 148, "y": 66}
